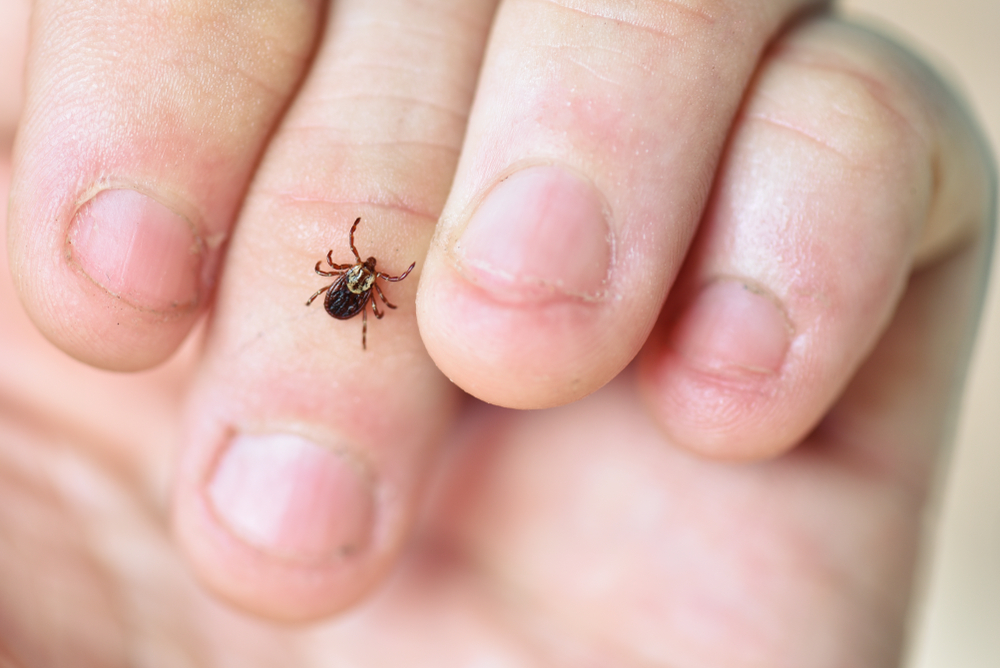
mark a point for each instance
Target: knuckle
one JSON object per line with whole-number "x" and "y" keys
{"x": 608, "y": 39}
{"x": 884, "y": 112}
{"x": 221, "y": 59}
{"x": 666, "y": 18}
{"x": 846, "y": 90}
{"x": 849, "y": 111}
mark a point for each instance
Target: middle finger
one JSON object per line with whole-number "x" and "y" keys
{"x": 305, "y": 449}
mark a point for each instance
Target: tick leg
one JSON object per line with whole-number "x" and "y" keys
{"x": 364, "y": 327}
{"x": 394, "y": 279}
{"x": 379, "y": 291}
{"x": 375, "y": 310}
{"x": 325, "y": 273}
{"x": 329, "y": 261}
{"x": 317, "y": 294}
{"x": 353, "y": 249}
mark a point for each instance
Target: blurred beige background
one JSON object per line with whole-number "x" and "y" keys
{"x": 958, "y": 625}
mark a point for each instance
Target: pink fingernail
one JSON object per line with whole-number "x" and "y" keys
{"x": 730, "y": 328}
{"x": 137, "y": 249}
{"x": 542, "y": 232}
{"x": 292, "y": 498}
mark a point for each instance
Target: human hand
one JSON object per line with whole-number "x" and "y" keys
{"x": 679, "y": 552}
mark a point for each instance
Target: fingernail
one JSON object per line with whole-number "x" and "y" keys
{"x": 540, "y": 233}
{"x": 731, "y": 328}
{"x": 137, "y": 249}
{"x": 292, "y": 498}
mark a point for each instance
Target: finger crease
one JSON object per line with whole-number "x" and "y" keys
{"x": 375, "y": 144}
{"x": 677, "y": 8}
{"x": 460, "y": 115}
{"x": 775, "y": 122}
{"x": 877, "y": 90}
{"x": 292, "y": 198}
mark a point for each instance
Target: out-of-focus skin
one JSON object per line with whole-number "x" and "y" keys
{"x": 736, "y": 269}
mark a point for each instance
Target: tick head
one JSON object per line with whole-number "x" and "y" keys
{"x": 360, "y": 277}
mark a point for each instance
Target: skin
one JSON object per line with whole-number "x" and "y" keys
{"x": 698, "y": 488}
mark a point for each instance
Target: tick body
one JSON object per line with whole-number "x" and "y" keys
{"x": 351, "y": 292}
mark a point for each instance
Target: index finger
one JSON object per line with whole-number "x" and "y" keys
{"x": 142, "y": 125}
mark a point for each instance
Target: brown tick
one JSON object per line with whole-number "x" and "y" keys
{"x": 350, "y": 293}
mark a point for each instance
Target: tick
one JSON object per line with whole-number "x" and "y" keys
{"x": 350, "y": 293}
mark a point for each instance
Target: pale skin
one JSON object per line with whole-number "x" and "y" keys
{"x": 738, "y": 281}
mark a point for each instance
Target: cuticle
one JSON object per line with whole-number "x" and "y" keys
{"x": 198, "y": 242}
{"x": 98, "y": 187}
{"x": 758, "y": 289}
{"x": 335, "y": 444}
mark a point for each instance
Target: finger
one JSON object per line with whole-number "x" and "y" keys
{"x": 848, "y": 163}
{"x": 644, "y": 555}
{"x": 142, "y": 125}
{"x": 590, "y": 151}
{"x": 13, "y": 45}
{"x": 306, "y": 449}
